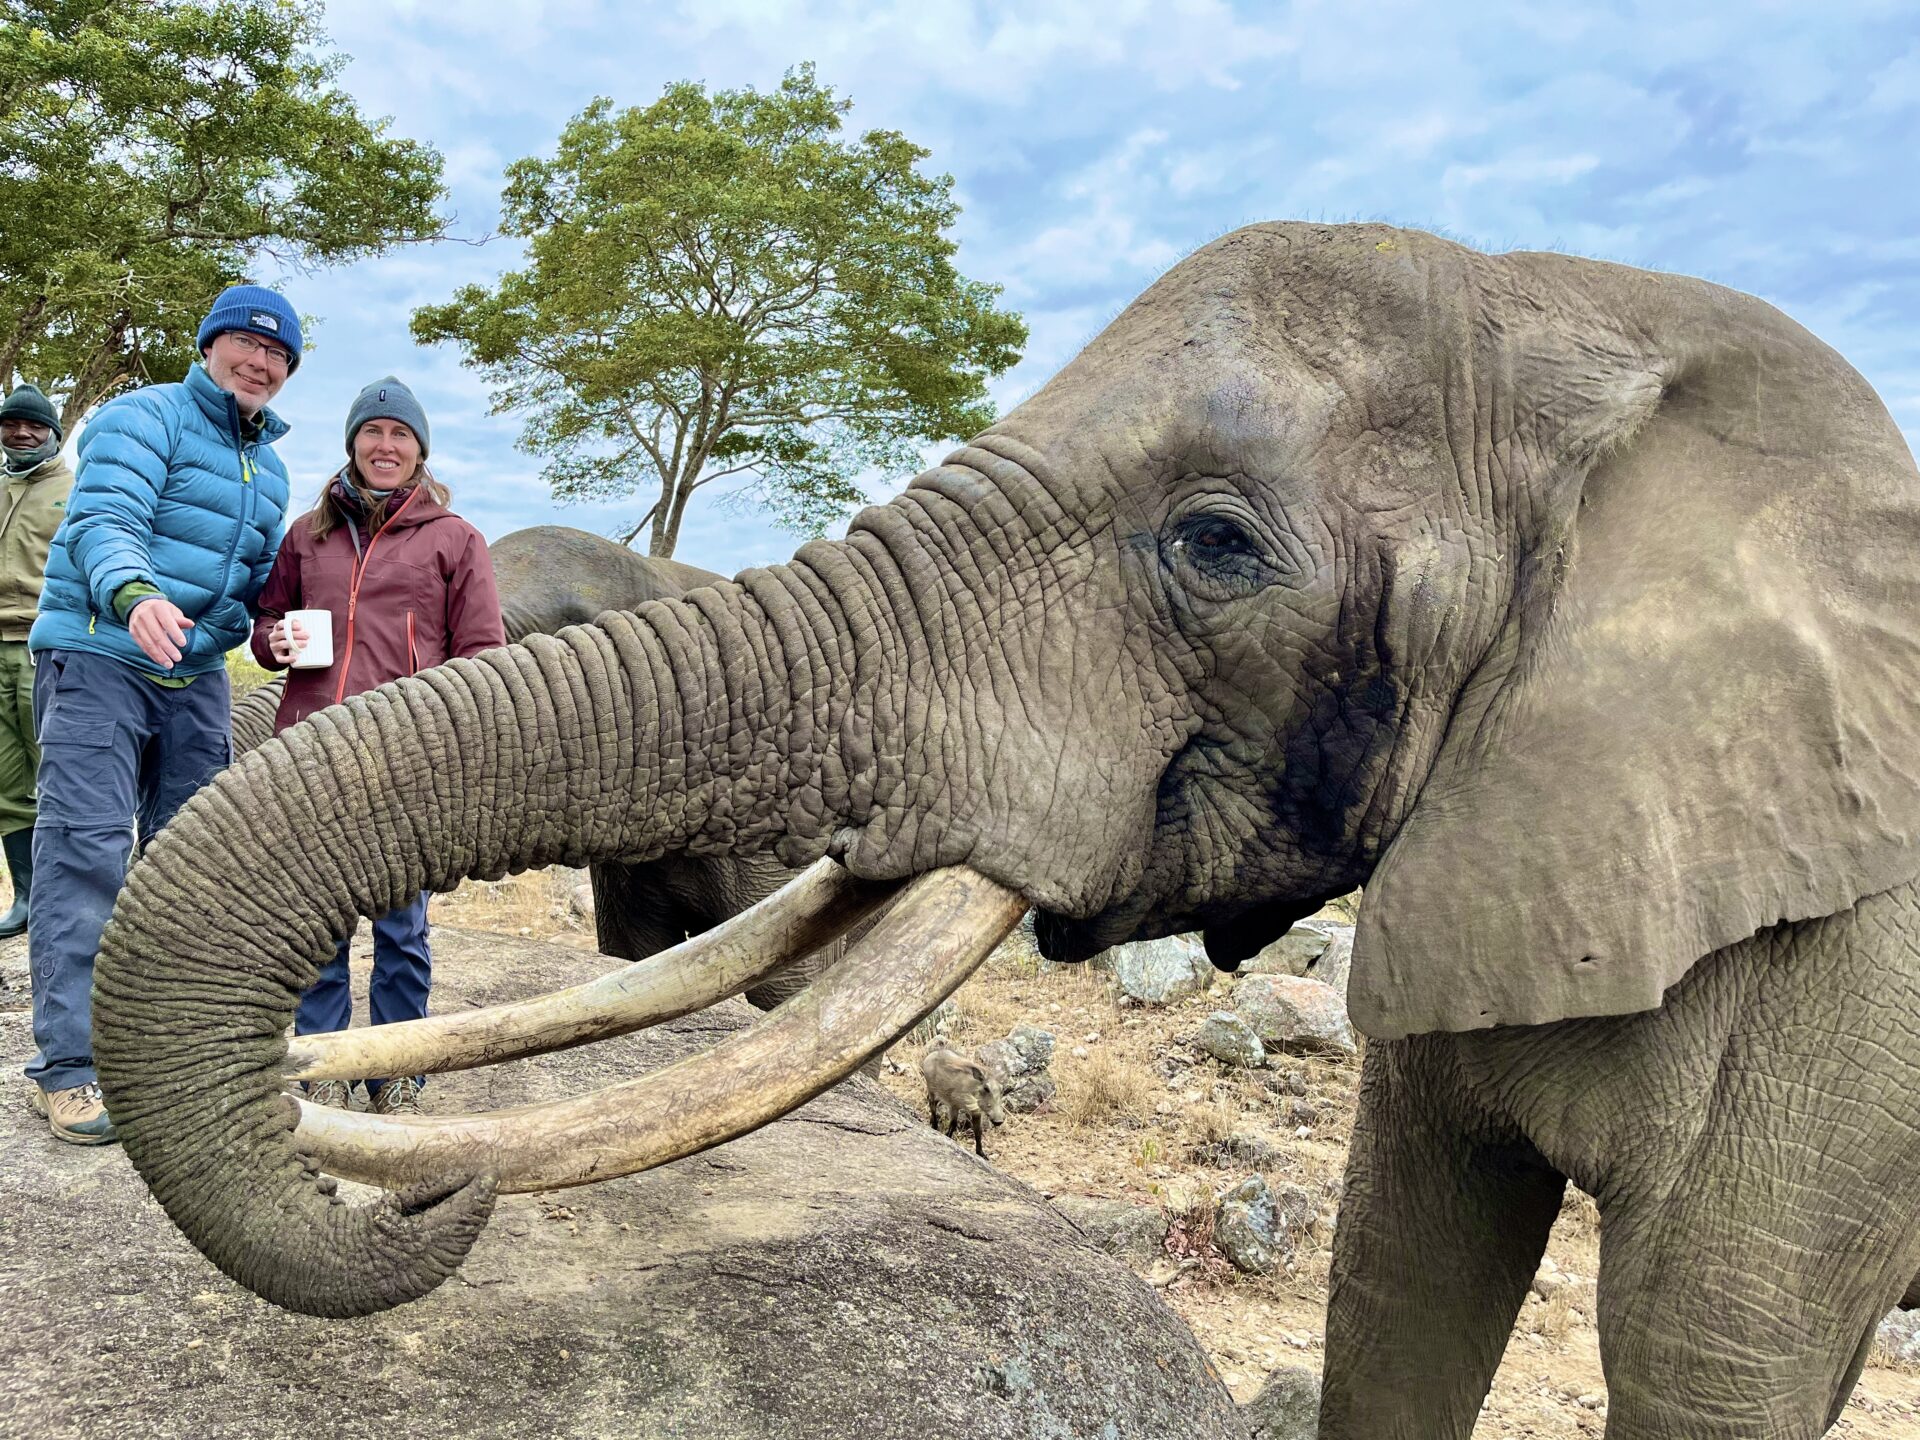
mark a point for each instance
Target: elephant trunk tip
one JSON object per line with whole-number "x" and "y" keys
{"x": 408, "y": 1243}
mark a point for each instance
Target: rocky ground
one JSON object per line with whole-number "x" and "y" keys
{"x": 1138, "y": 1133}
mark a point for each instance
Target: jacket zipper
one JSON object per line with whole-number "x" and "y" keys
{"x": 413, "y": 656}
{"x": 353, "y": 597}
{"x": 242, "y": 450}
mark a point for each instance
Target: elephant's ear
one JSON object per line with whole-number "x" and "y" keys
{"x": 1703, "y": 715}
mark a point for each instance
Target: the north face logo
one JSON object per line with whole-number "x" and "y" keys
{"x": 383, "y": 397}
{"x": 260, "y": 320}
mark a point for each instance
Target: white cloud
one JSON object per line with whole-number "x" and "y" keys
{"x": 1093, "y": 142}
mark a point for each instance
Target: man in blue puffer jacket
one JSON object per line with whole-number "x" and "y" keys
{"x": 176, "y": 514}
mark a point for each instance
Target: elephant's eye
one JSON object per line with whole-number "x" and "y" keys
{"x": 1217, "y": 555}
{"x": 1211, "y": 538}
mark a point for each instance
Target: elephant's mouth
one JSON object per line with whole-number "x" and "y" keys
{"x": 944, "y": 926}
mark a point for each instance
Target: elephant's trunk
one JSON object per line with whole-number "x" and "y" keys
{"x": 676, "y": 726}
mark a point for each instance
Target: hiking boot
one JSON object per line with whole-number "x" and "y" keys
{"x": 396, "y": 1097}
{"x": 78, "y": 1116}
{"x": 336, "y": 1093}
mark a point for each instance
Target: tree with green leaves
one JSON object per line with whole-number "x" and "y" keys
{"x": 151, "y": 153}
{"x": 722, "y": 284}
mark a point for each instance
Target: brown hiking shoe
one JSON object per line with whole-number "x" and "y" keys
{"x": 77, "y": 1116}
{"x": 397, "y": 1097}
{"x": 329, "y": 1092}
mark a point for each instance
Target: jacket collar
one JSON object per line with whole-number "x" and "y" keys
{"x": 223, "y": 410}
{"x": 406, "y": 509}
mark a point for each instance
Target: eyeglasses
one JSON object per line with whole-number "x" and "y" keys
{"x": 246, "y": 345}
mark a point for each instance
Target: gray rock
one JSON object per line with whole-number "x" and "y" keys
{"x": 580, "y": 901}
{"x": 1291, "y": 954}
{"x": 1298, "y": 1210}
{"x": 1241, "y": 1149}
{"x": 1029, "y": 1093}
{"x": 1334, "y": 963}
{"x": 1287, "y": 1407}
{"x": 1291, "y": 1081}
{"x": 1027, "y": 1050}
{"x": 1288, "y": 1013}
{"x": 1231, "y": 1041}
{"x": 1260, "y": 1229}
{"x": 1248, "y": 1229}
{"x": 1155, "y": 972}
{"x": 1899, "y": 1335}
{"x": 1136, "y": 1233}
{"x": 843, "y": 1272}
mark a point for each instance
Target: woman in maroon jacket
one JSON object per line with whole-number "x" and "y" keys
{"x": 408, "y": 585}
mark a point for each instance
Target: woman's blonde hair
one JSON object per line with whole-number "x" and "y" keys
{"x": 328, "y": 516}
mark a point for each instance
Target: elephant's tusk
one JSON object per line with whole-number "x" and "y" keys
{"x": 807, "y": 912}
{"x": 944, "y": 926}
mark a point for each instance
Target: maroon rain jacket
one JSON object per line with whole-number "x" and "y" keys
{"x": 418, "y": 592}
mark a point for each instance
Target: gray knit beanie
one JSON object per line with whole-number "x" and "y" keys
{"x": 387, "y": 399}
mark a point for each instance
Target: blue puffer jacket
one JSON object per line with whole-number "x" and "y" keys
{"x": 168, "y": 491}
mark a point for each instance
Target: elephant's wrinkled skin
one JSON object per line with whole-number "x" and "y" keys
{"x": 552, "y": 576}
{"x": 1571, "y": 607}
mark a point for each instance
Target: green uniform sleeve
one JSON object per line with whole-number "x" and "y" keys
{"x": 130, "y": 595}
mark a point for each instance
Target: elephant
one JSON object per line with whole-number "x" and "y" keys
{"x": 1573, "y": 609}
{"x": 552, "y": 576}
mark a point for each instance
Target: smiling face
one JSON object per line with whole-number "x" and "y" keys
{"x": 386, "y": 454}
{"x": 248, "y": 367}
{"x": 17, "y": 434}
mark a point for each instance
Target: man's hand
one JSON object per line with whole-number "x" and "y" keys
{"x": 160, "y": 628}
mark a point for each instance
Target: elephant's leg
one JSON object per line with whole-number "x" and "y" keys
{"x": 1725, "y": 1317}
{"x": 1441, "y": 1230}
{"x": 633, "y": 916}
{"x": 1741, "y": 1278}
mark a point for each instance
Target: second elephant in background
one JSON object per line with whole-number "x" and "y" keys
{"x": 552, "y": 576}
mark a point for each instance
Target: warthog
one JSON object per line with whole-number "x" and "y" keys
{"x": 959, "y": 1090}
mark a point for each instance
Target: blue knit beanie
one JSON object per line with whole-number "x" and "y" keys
{"x": 387, "y": 399}
{"x": 258, "y": 311}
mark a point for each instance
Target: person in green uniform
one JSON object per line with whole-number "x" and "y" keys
{"x": 38, "y": 482}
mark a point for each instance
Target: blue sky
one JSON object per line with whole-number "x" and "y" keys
{"x": 1767, "y": 147}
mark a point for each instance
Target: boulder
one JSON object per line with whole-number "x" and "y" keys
{"x": 1247, "y": 1229}
{"x": 1231, "y": 1041}
{"x": 1027, "y": 1050}
{"x": 580, "y": 901}
{"x": 1259, "y": 1229}
{"x": 1155, "y": 972}
{"x": 1019, "y": 1063}
{"x": 1291, "y": 954}
{"x": 1136, "y": 1233}
{"x": 1899, "y": 1336}
{"x": 1029, "y": 1093}
{"x": 1287, "y": 1407}
{"x": 843, "y": 1272}
{"x": 1243, "y": 1150}
{"x": 1333, "y": 964}
{"x": 1296, "y": 1015}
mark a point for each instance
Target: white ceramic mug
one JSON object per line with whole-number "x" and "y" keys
{"x": 317, "y": 653}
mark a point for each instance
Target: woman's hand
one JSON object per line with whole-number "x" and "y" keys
{"x": 286, "y": 650}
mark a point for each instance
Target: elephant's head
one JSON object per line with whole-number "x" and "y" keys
{"x": 1570, "y": 607}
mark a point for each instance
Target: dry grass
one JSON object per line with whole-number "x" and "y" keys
{"x": 1104, "y": 1087}
{"x": 535, "y": 903}
{"x": 1550, "y": 1319}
